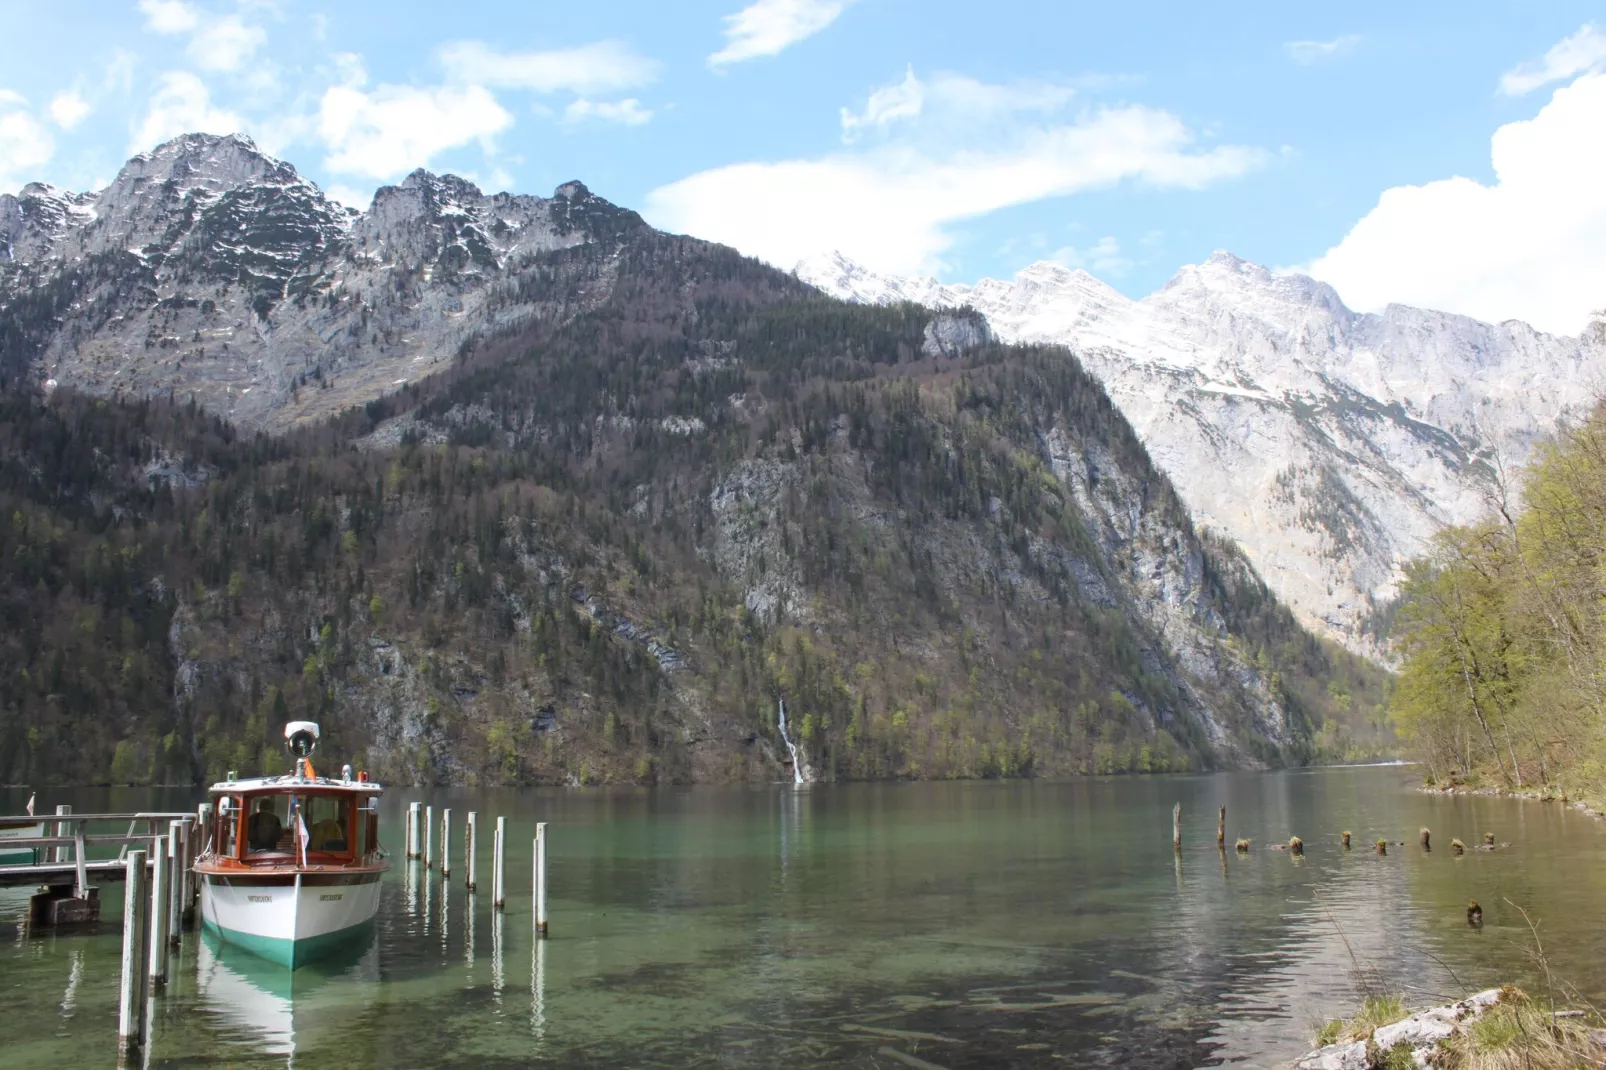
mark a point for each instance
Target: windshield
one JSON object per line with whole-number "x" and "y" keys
{"x": 267, "y": 828}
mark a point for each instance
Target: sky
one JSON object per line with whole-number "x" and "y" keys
{"x": 1446, "y": 155}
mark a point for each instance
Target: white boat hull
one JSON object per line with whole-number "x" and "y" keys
{"x": 289, "y": 918}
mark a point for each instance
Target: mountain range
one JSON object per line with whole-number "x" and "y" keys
{"x": 1329, "y": 444}
{"x": 507, "y": 489}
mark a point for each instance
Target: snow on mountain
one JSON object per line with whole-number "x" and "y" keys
{"x": 1330, "y": 444}
{"x": 209, "y": 268}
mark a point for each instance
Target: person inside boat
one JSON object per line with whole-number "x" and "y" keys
{"x": 266, "y": 828}
{"x": 327, "y": 818}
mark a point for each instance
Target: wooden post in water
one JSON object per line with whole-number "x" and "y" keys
{"x": 161, "y": 909}
{"x": 58, "y": 853}
{"x": 429, "y": 837}
{"x": 1176, "y": 827}
{"x": 414, "y": 840}
{"x": 498, "y": 883}
{"x": 1221, "y": 829}
{"x": 469, "y": 866}
{"x": 540, "y": 878}
{"x": 203, "y": 826}
{"x": 131, "y": 988}
{"x": 446, "y": 842}
{"x": 175, "y": 886}
{"x": 1427, "y": 838}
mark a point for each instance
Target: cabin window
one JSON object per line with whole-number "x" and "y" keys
{"x": 268, "y": 825}
{"x": 327, "y": 819}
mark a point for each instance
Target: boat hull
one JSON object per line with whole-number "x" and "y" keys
{"x": 289, "y": 918}
{"x": 11, "y": 855}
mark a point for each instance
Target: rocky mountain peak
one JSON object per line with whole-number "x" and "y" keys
{"x": 215, "y": 268}
{"x": 1330, "y": 444}
{"x": 204, "y": 160}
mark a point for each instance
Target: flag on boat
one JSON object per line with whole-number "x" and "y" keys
{"x": 301, "y": 833}
{"x": 30, "y": 803}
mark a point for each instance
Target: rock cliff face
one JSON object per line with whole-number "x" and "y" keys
{"x": 1330, "y": 445}
{"x": 589, "y": 502}
{"x": 208, "y": 268}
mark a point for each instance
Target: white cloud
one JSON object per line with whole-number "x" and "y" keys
{"x": 182, "y": 104}
{"x": 225, "y": 44}
{"x": 169, "y": 16}
{"x": 396, "y": 128}
{"x": 1311, "y": 52}
{"x": 119, "y": 75}
{"x": 11, "y": 96}
{"x": 1102, "y": 258}
{"x": 766, "y": 27}
{"x": 1583, "y": 51}
{"x": 350, "y": 196}
{"x": 602, "y": 67}
{"x": 901, "y": 100}
{"x": 892, "y": 206}
{"x": 627, "y": 112}
{"x": 952, "y": 106}
{"x": 67, "y": 109}
{"x": 1531, "y": 246}
{"x": 25, "y": 144}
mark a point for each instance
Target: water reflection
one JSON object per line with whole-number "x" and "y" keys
{"x": 965, "y": 925}
{"x": 538, "y": 993}
{"x": 261, "y": 1003}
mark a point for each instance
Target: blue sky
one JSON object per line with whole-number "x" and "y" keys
{"x": 960, "y": 140}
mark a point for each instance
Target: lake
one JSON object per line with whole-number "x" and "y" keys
{"x": 980, "y": 924}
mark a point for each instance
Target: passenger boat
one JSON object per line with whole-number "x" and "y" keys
{"x": 293, "y": 864}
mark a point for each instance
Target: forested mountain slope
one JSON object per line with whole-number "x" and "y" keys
{"x": 606, "y": 539}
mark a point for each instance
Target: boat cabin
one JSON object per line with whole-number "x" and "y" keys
{"x": 301, "y": 821}
{"x": 295, "y": 820}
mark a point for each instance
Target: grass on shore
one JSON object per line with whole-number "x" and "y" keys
{"x": 1514, "y": 1034}
{"x": 1517, "y": 1034}
{"x": 1374, "y": 1013}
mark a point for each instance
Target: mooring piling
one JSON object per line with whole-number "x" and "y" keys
{"x": 131, "y": 989}
{"x": 1221, "y": 829}
{"x": 429, "y": 837}
{"x": 160, "y": 910}
{"x": 1176, "y": 827}
{"x": 1426, "y": 837}
{"x": 174, "y": 903}
{"x": 498, "y": 885}
{"x": 469, "y": 868}
{"x": 540, "y": 878}
{"x": 58, "y": 853}
{"x": 446, "y": 842}
{"x": 415, "y": 831}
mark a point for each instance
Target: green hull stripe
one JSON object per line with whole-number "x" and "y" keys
{"x": 291, "y": 953}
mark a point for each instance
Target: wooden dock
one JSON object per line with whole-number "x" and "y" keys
{"x": 62, "y": 867}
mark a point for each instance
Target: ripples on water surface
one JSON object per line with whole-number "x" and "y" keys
{"x": 901, "y": 925}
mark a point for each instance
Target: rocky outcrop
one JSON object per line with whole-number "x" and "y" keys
{"x": 208, "y": 268}
{"x": 1329, "y": 444}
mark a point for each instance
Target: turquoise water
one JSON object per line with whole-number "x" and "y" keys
{"x": 1018, "y": 924}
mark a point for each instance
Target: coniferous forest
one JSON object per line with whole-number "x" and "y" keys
{"x": 601, "y": 548}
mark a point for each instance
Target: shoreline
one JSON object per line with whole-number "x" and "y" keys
{"x": 1513, "y": 793}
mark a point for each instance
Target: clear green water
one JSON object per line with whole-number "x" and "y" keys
{"x": 950, "y": 925}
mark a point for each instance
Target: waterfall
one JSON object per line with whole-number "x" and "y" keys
{"x": 797, "y": 765}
